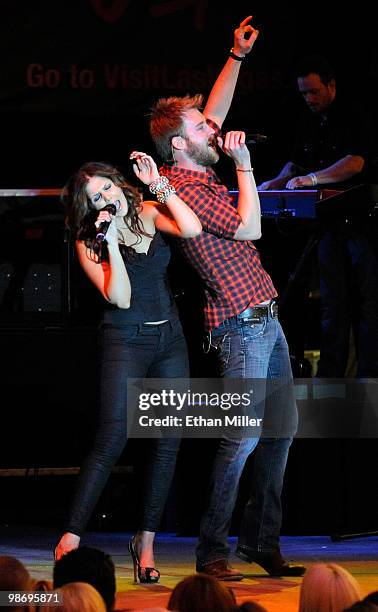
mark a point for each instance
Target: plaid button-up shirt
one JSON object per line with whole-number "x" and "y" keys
{"x": 231, "y": 270}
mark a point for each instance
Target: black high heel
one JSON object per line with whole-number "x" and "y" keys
{"x": 143, "y": 573}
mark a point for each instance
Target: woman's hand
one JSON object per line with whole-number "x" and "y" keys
{"x": 111, "y": 234}
{"x": 144, "y": 167}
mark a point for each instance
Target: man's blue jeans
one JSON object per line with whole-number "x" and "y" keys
{"x": 257, "y": 350}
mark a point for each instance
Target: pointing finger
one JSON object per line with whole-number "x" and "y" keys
{"x": 245, "y": 21}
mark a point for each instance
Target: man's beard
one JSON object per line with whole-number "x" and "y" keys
{"x": 203, "y": 155}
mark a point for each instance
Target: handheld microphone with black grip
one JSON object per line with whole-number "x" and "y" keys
{"x": 104, "y": 226}
{"x": 251, "y": 138}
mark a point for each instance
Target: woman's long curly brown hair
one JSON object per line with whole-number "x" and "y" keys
{"x": 80, "y": 217}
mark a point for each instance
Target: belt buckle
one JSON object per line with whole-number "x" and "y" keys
{"x": 248, "y": 313}
{"x": 251, "y": 320}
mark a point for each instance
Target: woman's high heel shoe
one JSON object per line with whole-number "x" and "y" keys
{"x": 143, "y": 573}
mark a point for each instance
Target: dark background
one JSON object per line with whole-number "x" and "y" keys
{"x": 78, "y": 78}
{"x": 76, "y": 84}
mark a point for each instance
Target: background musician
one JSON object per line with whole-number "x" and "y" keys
{"x": 332, "y": 148}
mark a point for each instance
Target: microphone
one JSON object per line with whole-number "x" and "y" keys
{"x": 251, "y": 138}
{"x": 104, "y": 226}
{"x": 255, "y": 138}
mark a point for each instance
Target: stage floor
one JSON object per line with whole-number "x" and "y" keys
{"x": 175, "y": 559}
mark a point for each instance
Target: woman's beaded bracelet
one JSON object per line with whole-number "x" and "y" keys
{"x": 158, "y": 185}
{"x": 164, "y": 194}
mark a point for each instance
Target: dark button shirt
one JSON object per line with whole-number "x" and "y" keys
{"x": 321, "y": 141}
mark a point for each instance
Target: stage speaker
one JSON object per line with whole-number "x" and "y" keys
{"x": 35, "y": 254}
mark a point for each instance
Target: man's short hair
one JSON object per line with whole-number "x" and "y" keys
{"x": 166, "y": 121}
{"x": 315, "y": 64}
{"x": 91, "y": 565}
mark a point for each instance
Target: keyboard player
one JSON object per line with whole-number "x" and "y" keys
{"x": 331, "y": 149}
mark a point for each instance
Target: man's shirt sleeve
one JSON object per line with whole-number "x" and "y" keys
{"x": 217, "y": 216}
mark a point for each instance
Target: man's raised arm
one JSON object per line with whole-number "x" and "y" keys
{"x": 221, "y": 95}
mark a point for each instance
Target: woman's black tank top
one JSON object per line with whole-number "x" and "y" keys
{"x": 151, "y": 297}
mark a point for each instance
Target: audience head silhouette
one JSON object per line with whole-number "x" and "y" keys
{"x": 250, "y": 606}
{"x": 372, "y": 598}
{"x": 14, "y": 577}
{"x": 362, "y": 606}
{"x": 91, "y": 565}
{"x": 328, "y": 587}
{"x": 201, "y": 593}
{"x": 79, "y": 597}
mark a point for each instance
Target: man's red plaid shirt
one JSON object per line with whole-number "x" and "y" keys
{"x": 231, "y": 269}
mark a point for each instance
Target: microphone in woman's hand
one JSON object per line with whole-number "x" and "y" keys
{"x": 104, "y": 225}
